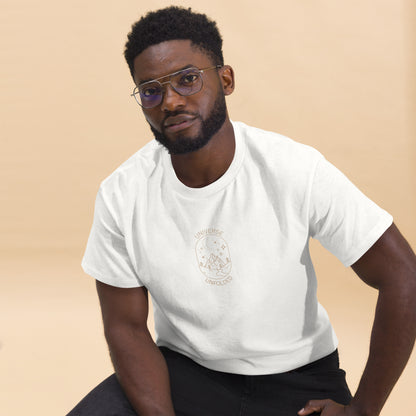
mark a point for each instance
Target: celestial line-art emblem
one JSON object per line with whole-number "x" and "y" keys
{"x": 213, "y": 256}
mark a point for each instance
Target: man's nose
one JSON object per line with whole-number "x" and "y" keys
{"x": 171, "y": 99}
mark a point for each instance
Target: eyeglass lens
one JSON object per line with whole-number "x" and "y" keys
{"x": 186, "y": 82}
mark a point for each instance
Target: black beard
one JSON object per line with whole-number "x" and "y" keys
{"x": 210, "y": 126}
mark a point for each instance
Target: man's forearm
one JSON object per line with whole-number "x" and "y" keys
{"x": 389, "y": 266}
{"x": 142, "y": 372}
{"x": 392, "y": 340}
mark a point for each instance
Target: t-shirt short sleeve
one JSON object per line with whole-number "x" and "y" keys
{"x": 342, "y": 218}
{"x": 106, "y": 257}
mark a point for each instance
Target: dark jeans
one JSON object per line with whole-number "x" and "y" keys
{"x": 198, "y": 391}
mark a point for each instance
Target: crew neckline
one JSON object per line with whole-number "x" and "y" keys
{"x": 213, "y": 187}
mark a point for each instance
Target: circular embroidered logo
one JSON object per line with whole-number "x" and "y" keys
{"x": 213, "y": 256}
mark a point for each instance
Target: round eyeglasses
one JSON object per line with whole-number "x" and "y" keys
{"x": 188, "y": 81}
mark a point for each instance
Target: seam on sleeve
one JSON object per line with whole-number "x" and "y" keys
{"x": 108, "y": 280}
{"x": 377, "y": 231}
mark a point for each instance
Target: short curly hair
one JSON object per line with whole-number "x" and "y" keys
{"x": 173, "y": 23}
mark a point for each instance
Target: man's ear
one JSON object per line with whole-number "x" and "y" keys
{"x": 227, "y": 78}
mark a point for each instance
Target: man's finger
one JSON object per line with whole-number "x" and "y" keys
{"x": 314, "y": 406}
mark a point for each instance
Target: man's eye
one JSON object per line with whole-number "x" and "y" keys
{"x": 150, "y": 91}
{"x": 188, "y": 79}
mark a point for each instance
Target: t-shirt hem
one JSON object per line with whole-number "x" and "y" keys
{"x": 109, "y": 280}
{"x": 373, "y": 236}
{"x": 270, "y": 364}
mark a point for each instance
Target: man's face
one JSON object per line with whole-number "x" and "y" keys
{"x": 182, "y": 124}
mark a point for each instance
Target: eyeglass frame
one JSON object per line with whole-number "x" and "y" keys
{"x": 200, "y": 71}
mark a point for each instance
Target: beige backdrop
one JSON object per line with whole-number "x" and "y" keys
{"x": 338, "y": 75}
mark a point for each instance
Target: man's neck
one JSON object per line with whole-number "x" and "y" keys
{"x": 206, "y": 165}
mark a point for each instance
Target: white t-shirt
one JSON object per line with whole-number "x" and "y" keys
{"x": 228, "y": 265}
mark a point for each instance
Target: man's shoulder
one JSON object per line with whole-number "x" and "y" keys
{"x": 136, "y": 168}
{"x": 272, "y": 147}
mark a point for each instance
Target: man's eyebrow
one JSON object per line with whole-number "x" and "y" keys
{"x": 164, "y": 76}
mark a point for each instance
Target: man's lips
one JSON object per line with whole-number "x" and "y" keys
{"x": 179, "y": 122}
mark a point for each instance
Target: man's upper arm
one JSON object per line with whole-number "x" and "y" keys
{"x": 390, "y": 261}
{"x": 121, "y": 306}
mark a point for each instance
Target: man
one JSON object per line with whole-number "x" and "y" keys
{"x": 213, "y": 219}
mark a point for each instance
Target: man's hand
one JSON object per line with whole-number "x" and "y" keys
{"x": 327, "y": 408}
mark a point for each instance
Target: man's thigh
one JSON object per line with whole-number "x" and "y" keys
{"x": 107, "y": 399}
{"x": 198, "y": 391}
